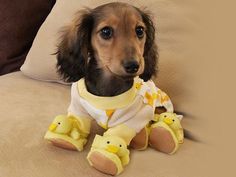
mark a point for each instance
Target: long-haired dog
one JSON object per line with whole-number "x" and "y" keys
{"x": 110, "y": 55}
{"x": 109, "y": 46}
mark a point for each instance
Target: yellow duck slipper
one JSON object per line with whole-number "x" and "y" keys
{"x": 64, "y": 132}
{"x": 167, "y": 133}
{"x": 108, "y": 154}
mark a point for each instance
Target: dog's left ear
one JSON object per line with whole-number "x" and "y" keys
{"x": 150, "y": 49}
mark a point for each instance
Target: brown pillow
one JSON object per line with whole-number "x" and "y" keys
{"x": 19, "y": 23}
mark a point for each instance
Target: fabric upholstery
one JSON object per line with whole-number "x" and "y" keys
{"x": 19, "y": 23}
{"x": 27, "y": 109}
{"x": 197, "y": 69}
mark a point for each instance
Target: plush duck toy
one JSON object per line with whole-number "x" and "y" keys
{"x": 66, "y": 129}
{"x": 173, "y": 136}
{"x": 114, "y": 148}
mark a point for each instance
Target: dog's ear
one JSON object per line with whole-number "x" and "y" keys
{"x": 74, "y": 46}
{"x": 150, "y": 48}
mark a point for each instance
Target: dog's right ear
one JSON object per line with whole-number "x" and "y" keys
{"x": 74, "y": 46}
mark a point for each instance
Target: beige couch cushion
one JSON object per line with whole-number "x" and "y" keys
{"x": 28, "y": 107}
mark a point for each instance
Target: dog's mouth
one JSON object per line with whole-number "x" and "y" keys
{"x": 121, "y": 76}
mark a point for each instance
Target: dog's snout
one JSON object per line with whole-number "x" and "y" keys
{"x": 131, "y": 66}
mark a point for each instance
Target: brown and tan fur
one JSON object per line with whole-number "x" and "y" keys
{"x": 82, "y": 52}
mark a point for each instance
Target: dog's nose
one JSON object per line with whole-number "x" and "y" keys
{"x": 131, "y": 66}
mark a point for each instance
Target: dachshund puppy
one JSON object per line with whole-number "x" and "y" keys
{"x": 110, "y": 55}
{"x": 109, "y": 46}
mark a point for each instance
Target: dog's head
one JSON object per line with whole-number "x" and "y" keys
{"x": 117, "y": 37}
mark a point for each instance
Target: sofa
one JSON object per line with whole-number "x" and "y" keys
{"x": 34, "y": 94}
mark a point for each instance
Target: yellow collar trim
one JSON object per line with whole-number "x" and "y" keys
{"x": 105, "y": 103}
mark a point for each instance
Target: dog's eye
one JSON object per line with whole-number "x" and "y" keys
{"x": 106, "y": 32}
{"x": 139, "y": 31}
